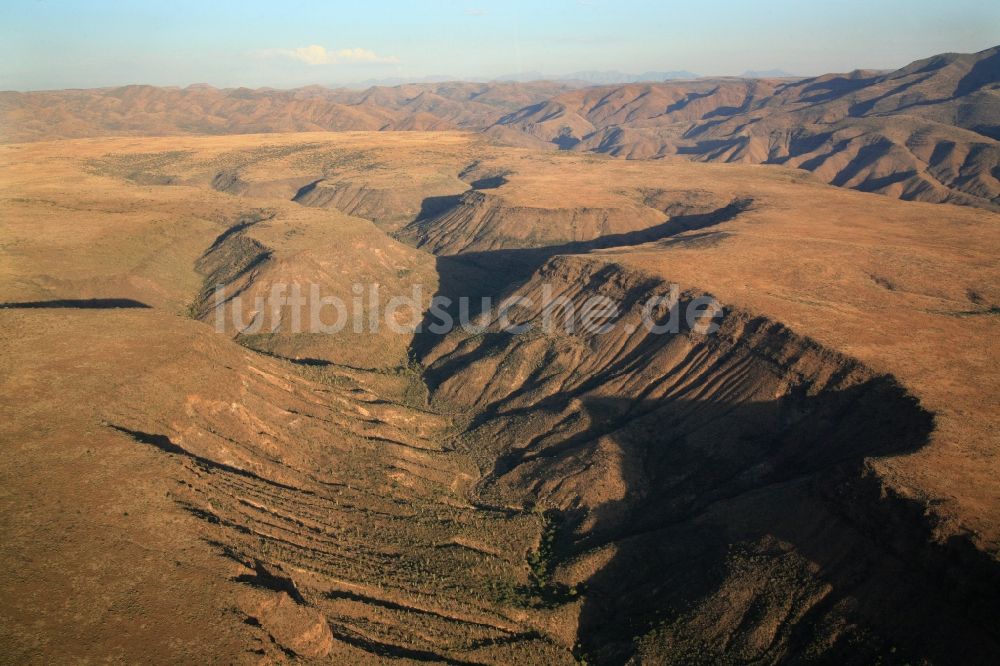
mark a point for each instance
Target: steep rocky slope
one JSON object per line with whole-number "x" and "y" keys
{"x": 515, "y": 201}
{"x": 828, "y": 262}
{"x": 227, "y": 504}
{"x": 300, "y": 254}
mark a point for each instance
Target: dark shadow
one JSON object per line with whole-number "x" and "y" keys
{"x": 687, "y": 99}
{"x": 801, "y": 143}
{"x": 983, "y": 73}
{"x": 866, "y": 157}
{"x": 318, "y": 362}
{"x": 565, "y": 141}
{"x": 394, "y": 606}
{"x": 761, "y": 506}
{"x": 993, "y": 132}
{"x": 876, "y": 184}
{"x": 774, "y": 500}
{"x": 82, "y": 304}
{"x": 713, "y": 147}
{"x": 933, "y": 64}
{"x": 434, "y": 206}
{"x": 526, "y": 112}
{"x": 814, "y": 163}
{"x": 306, "y": 189}
{"x": 489, "y": 183}
{"x": 390, "y": 651}
{"x": 489, "y": 180}
{"x": 164, "y": 444}
{"x": 703, "y": 240}
{"x": 727, "y": 111}
{"x": 703, "y": 127}
{"x": 232, "y": 255}
{"x": 314, "y": 362}
{"x": 243, "y": 222}
{"x": 861, "y": 108}
{"x": 262, "y": 577}
{"x": 817, "y": 92}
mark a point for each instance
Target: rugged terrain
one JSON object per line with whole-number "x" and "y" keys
{"x": 926, "y": 132}
{"x": 813, "y": 480}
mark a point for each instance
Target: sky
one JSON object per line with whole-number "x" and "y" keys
{"x": 50, "y": 44}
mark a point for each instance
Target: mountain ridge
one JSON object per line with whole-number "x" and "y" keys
{"x": 929, "y": 131}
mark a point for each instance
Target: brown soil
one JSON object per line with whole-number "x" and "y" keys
{"x": 814, "y": 480}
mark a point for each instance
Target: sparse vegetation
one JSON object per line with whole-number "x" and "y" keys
{"x": 400, "y": 490}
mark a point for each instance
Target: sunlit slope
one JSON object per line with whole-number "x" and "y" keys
{"x": 815, "y": 478}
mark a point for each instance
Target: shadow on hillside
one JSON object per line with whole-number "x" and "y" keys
{"x": 306, "y": 189}
{"x": 81, "y": 303}
{"x": 817, "y": 92}
{"x": 747, "y": 513}
{"x": 488, "y": 183}
{"x": 488, "y": 274}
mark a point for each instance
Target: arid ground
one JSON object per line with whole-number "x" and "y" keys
{"x": 814, "y": 480}
{"x": 781, "y": 444}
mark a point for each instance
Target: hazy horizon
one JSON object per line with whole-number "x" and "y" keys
{"x": 71, "y": 44}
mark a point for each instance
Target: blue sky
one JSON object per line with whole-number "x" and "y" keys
{"x": 58, "y": 44}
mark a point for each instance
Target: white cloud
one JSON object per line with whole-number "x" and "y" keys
{"x": 320, "y": 55}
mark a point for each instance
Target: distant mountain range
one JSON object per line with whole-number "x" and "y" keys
{"x": 769, "y": 74}
{"x": 602, "y": 77}
{"x": 928, "y": 131}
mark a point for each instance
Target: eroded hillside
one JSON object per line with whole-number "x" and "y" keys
{"x": 814, "y": 478}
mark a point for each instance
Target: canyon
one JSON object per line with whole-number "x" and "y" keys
{"x": 812, "y": 480}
